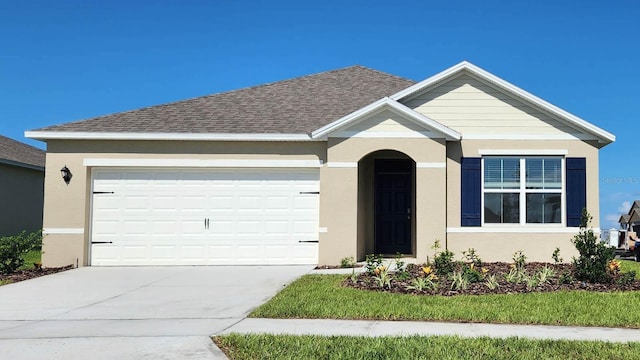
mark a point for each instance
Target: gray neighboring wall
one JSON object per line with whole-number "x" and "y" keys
{"x": 21, "y": 187}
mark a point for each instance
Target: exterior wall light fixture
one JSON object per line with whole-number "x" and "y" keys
{"x": 66, "y": 174}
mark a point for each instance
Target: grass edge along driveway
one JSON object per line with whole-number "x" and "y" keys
{"x": 323, "y": 297}
{"x": 237, "y": 346}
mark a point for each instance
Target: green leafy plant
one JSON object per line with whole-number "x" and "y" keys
{"x": 545, "y": 274}
{"x": 530, "y": 281}
{"x": 354, "y": 276}
{"x": 556, "y": 256}
{"x": 12, "y": 249}
{"x": 472, "y": 257}
{"x": 592, "y": 263}
{"x": 519, "y": 260}
{"x": 382, "y": 277}
{"x": 471, "y": 273}
{"x": 373, "y": 262}
{"x": 491, "y": 282}
{"x": 401, "y": 268}
{"x": 444, "y": 263}
{"x": 347, "y": 262}
{"x": 514, "y": 276}
{"x": 566, "y": 278}
{"x": 459, "y": 281}
{"x": 422, "y": 284}
{"x": 626, "y": 278}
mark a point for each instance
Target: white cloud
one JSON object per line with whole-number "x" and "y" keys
{"x": 624, "y": 207}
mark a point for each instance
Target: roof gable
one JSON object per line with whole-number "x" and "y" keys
{"x": 554, "y": 116}
{"x": 16, "y": 153}
{"x": 432, "y": 127}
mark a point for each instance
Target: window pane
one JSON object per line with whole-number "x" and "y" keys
{"x": 501, "y": 173}
{"x": 543, "y": 208}
{"x": 543, "y": 173}
{"x": 501, "y": 208}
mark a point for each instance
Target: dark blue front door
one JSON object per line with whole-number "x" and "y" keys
{"x": 393, "y": 211}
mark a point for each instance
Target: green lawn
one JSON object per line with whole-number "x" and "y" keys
{"x": 438, "y": 347}
{"x": 322, "y": 296}
{"x": 628, "y": 265}
{"x": 33, "y": 256}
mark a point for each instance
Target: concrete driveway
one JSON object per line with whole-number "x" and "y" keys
{"x": 132, "y": 312}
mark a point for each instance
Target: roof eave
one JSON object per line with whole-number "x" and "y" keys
{"x": 66, "y": 135}
{"x": 21, "y": 164}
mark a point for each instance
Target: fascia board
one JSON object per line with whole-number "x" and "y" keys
{"x": 61, "y": 135}
{"x": 372, "y": 108}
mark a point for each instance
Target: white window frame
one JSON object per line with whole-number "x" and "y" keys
{"x": 523, "y": 191}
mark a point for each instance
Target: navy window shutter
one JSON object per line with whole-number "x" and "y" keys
{"x": 576, "y": 188}
{"x": 471, "y": 192}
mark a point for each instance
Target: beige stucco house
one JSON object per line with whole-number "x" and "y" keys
{"x": 322, "y": 167}
{"x": 21, "y": 187}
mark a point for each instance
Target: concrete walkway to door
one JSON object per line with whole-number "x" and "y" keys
{"x": 132, "y": 312}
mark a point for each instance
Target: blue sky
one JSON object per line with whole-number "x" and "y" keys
{"x": 68, "y": 60}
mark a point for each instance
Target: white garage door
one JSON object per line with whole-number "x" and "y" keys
{"x": 203, "y": 217}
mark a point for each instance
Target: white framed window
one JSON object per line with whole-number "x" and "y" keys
{"x": 523, "y": 190}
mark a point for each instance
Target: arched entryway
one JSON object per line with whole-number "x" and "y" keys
{"x": 386, "y": 203}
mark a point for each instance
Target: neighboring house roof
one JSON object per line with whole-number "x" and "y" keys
{"x": 634, "y": 206}
{"x": 13, "y": 152}
{"x": 295, "y": 106}
{"x": 624, "y": 219}
{"x": 304, "y": 108}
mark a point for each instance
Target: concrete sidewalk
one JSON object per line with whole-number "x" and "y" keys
{"x": 408, "y": 328}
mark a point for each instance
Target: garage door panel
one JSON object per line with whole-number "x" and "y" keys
{"x": 219, "y": 216}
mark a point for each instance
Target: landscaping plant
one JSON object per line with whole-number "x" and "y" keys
{"x": 595, "y": 256}
{"x": 13, "y": 248}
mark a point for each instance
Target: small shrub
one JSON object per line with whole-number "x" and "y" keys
{"x": 566, "y": 278}
{"x": 472, "y": 274}
{"x": 444, "y": 262}
{"x": 401, "y": 268}
{"x": 592, "y": 263}
{"x": 347, "y": 262}
{"x": 471, "y": 256}
{"x": 519, "y": 260}
{"x": 12, "y": 248}
{"x": 626, "y": 278}
{"x": 491, "y": 282}
{"x": 372, "y": 263}
{"x": 556, "y": 256}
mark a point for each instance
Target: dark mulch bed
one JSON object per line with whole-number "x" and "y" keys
{"x": 22, "y": 275}
{"x": 562, "y": 280}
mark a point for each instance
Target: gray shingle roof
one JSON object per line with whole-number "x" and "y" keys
{"x": 16, "y": 152}
{"x": 294, "y": 106}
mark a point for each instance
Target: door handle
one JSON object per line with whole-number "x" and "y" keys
{"x": 409, "y": 213}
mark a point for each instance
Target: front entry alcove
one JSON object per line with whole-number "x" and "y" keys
{"x": 386, "y": 204}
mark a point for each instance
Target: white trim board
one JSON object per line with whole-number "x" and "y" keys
{"x": 342, "y": 164}
{"x": 383, "y": 134}
{"x": 394, "y": 106}
{"x": 431, "y": 165}
{"x": 517, "y": 229}
{"x": 199, "y": 163}
{"x": 47, "y": 231}
{"x": 45, "y": 135}
{"x": 517, "y": 152}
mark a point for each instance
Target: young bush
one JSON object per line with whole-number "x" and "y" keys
{"x": 592, "y": 264}
{"x": 444, "y": 262}
{"x": 12, "y": 248}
